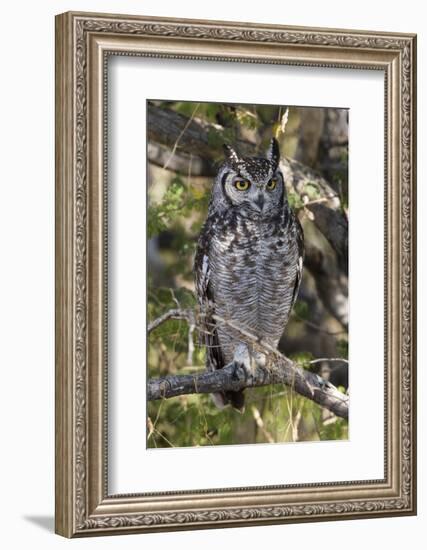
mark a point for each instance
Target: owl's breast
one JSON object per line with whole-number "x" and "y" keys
{"x": 253, "y": 269}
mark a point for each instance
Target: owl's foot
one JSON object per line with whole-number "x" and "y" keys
{"x": 259, "y": 358}
{"x": 242, "y": 359}
{"x": 323, "y": 383}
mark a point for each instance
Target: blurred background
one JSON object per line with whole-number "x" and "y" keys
{"x": 184, "y": 151}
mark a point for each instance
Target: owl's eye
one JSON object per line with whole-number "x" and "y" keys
{"x": 242, "y": 185}
{"x": 272, "y": 184}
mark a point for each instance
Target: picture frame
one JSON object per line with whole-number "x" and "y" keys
{"x": 84, "y": 42}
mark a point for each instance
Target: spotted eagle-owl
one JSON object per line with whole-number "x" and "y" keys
{"x": 249, "y": 256}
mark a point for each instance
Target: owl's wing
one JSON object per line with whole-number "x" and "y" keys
{"x": 300, "y": 244}
{"x": 206, "y": 298}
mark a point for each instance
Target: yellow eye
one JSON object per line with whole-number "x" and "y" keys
{"x": 242, "y": 185}
{"x": 272, "y": 184}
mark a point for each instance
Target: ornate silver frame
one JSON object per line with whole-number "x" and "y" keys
{"x": 83, "y": 42}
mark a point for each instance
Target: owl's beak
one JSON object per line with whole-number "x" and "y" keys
{"x": 259, "y": 201}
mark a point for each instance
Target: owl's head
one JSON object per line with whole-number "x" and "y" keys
{"x": 254, "y": 185}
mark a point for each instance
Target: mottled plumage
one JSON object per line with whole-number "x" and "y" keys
{"x": 249, "y": 257}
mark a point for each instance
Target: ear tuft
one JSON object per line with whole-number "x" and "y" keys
{"x": 231, "y": 154}
{"x": 273, "y": 152}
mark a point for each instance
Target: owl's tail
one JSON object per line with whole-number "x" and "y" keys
{"x": 234, "y": 398}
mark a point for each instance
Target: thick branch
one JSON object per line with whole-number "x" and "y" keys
{"x": 234, "y": 377}
{"x": 327, "y": 213}
{"x": 180, "y": 162}
{"x": 276, "y": 369}
{"x": 175, "y": 131}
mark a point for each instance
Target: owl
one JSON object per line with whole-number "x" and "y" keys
{"x": 249, "y": 258}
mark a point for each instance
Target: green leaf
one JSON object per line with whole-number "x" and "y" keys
{"x": 342, "y": 348}
{"x": 302, "y": 358}
{"x": 294, "y": 200}
{"x": 301, "y": 309}
{"x": 312, "y": 190}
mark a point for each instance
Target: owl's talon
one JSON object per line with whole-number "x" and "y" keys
{"x": 236, "y": 369}
{"x": 324, "y": 384}
{"x": 242, "y": 359}
{"x": 260, "y": 359}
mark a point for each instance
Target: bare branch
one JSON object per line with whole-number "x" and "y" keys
{"x": 179, "y": 314}
{"x": 234, "y": 377}
{"x": 329, "y": 360}
{"x": 186, "y": 135}
{"x": 317, "y": 327}
{"x": 326, "y": 211}
{"x": 175, "y": 145}
{"x": 276, "y": 369}
{"x": 260, "y": 424}
{"x": 181, "y": 162}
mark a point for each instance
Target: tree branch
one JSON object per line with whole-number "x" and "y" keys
{"x": 180, "y": 314}
{"x": 234, "y": 377}
{"x": 326, "y": 211}
{"x": 276, "y": 369}
{"x": 188, "y": 137}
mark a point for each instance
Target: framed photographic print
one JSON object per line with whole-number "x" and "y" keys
{"x": 235, "y": 274}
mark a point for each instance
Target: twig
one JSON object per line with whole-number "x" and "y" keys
{"x": 317, "y": 327}
{"x": 247, "y": 334}
{"x": 329, "y": 360}
{"x": 190, "y": 351}
{"x": 307, "y": 202}
{"x": 178, "y": 314}
{"x": 260, "y": 423}
{"x": 295, "y": 425}
{"x": 180, "y": 135}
